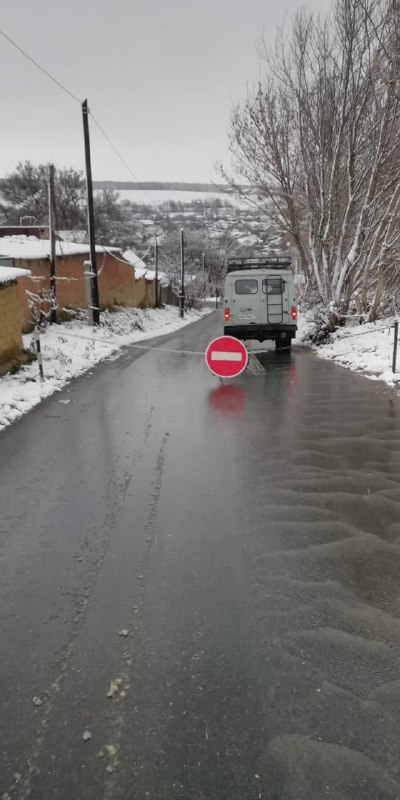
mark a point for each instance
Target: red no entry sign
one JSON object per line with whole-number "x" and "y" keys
{"x": 226, "y": 357}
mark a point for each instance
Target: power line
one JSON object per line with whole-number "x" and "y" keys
{"x": 118, "y": 154}
{"x": 121, "y": 158}
{"x": 42, "y": 69}
{"x": 74, "y": 97}
{"x": 102, "y": 340}
{"x": 109, "y": 252}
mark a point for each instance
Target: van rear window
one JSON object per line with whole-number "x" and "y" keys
{"x": 273, "y": 286}
{"x": 246, "y": 286}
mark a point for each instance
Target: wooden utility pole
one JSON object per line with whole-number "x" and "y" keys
{"x": 156, "y": 266}
{"x": 396, "y": 339}
{"x": 90, "y": 212}
{"x": 204, "y": 275}
{"x": 182, "y": 286}
{"x": 52, "y": 237}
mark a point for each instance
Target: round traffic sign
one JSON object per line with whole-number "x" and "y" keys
{"x": 226, "y": 357}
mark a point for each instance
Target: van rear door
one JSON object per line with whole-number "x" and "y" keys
{"x": 274, "y": 303}
{"x": 246, "y": 300}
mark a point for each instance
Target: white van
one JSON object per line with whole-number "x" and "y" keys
{"x": 259, "y": 300}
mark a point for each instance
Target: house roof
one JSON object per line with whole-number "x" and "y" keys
{"x": 133, "y": 259}
{"x": 31, "y": 248}
{"x": 8, "y": 274}
{"x": 150, "y": 275}
{"x": 141, "y": 271}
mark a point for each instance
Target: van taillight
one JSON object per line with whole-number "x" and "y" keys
{"x": 227, "y": 314}
{"x": 293, "y": 313}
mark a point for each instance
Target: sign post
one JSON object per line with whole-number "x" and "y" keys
{"x": 226, "y": 357}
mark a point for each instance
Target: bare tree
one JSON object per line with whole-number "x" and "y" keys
{"x": 24, "y": 192}
{"x": 319, "y": 137}
{"x": 197, "y": 244}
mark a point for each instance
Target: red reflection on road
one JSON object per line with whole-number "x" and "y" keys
{"x": 292, "y": 376}
{"x": 228, "y": 400}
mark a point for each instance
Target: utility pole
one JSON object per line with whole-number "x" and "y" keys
{"x": 156, "y": 265}
{"x": 396, "y": 338}
{"x": 182, "y": 287}
{"x": 90, "y": 211}
{"x": 204, "y": 275}
{"x": 52, "y": 236}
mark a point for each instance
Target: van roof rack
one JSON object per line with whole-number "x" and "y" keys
{"x": 258, "y": 262}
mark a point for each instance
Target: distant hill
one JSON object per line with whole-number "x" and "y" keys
{"x": 160, "y": 185}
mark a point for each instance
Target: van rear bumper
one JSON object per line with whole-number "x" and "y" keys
{"x": 260, "y": 332}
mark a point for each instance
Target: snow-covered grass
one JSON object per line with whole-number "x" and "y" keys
{"x": 72, "y": 348}
{"x": 366, "y": 348}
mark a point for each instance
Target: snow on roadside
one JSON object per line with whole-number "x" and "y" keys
{"x": 366, "y": 348}
{"x": 305, "y": 328}
{"x": 71, "y": 349}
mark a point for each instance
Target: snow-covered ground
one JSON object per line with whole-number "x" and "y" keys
{"x": 160, "y": 196}
{"x": 71, "y": 349}
{"x": 364, "y": 348}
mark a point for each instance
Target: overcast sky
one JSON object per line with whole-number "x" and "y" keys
{"x": 160, "y": 76}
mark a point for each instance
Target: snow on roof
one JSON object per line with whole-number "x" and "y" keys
{"x": 250, "y": 239}
{"x": 8, "y": 274}
{"x": 150, "y": 275}
{"x": 133, "y": 259}
{"x": 77, "y": 236}
{"x": 141, "y": 271}
{"x": 32, "y": 248}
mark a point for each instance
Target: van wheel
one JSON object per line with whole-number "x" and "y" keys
{"x": 283, "y": 343}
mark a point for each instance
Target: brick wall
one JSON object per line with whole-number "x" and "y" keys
{"x": 117, "y": 284}
{"x": 10, "y": 323}
{"x": 40, "y": 280}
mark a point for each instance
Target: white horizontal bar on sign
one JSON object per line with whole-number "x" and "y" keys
{"x": 218, "y": 355}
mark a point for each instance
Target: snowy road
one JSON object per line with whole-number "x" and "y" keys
{"x": 200, "y": 585}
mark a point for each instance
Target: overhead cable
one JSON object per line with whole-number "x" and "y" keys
{"x": 74, "y": 97}
{"x": 118, "y": 154}
{"x": 42, "y": 69}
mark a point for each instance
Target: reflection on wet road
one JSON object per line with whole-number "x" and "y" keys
{"x": 246, "y": 539}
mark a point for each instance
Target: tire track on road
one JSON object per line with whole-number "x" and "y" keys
{"x": 127, "y": 671}
{"x": 118, "y": 487}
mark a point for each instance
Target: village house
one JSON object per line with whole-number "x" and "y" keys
{"x": 116, "y": 276}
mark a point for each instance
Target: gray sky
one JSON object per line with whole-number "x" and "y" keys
{"x": 159, "y": 75}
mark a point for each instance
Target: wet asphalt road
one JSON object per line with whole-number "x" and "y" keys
{"x": 248, "y": 538}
